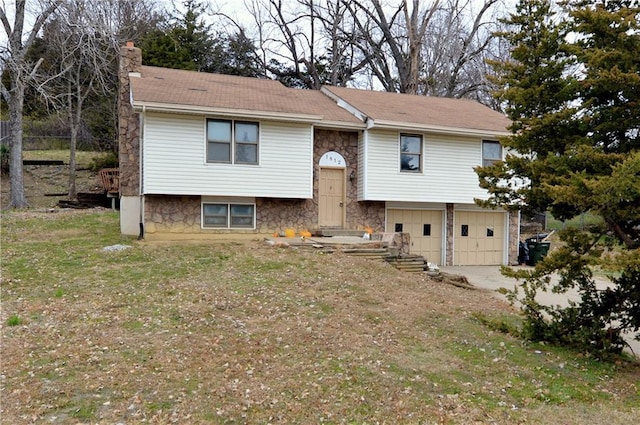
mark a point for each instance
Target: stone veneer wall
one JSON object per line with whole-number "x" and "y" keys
{"x": 449, "y": 235}
{"x": 128, "y": 124}
{"x": 514, "y": 227}
{"x": 276, "y": 215}
{"x": 181, "y": 214}
{"x": 172, "y": 214}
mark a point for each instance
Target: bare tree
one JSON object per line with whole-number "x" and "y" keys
{"x": 431, "y": 48}
{"x": 289, "y": 40}
{"x": 21, "y": 74}
{"x": 126, "y": 20}
{"x": 458, "y": 43}
{"x": 343, "y": 61}
{"x": 305, "y": 43}
{"x": 85, "y": 45}
{"x": 129, "y": 19}
{"x": 438, "y": 48}
{"x": 391, "y": 40}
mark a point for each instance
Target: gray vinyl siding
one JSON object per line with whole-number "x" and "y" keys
{"x": 174, "y": 160}
{"x": 447, "y": 170}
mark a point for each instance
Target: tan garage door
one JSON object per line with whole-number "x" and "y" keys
{"x": 479, "y": 238}
{"x": 424, "y": 227}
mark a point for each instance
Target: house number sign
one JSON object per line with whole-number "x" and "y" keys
{"x": 332, "y": 159}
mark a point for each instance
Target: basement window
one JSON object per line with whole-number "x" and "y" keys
{"x": 228, "y": 216}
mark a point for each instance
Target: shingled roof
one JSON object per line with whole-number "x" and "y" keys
{"x": 402, "y": 110}
{"x": 190, "y": 91}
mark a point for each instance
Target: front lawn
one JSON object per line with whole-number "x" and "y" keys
{"x": 212, "y": 332}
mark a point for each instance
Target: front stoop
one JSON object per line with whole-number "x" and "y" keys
{"x": 331, "y": 232}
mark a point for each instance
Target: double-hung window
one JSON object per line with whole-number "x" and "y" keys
{"x": 491, "y": 152}
{"x": 228, "y": 216}
{"x": 410, "y": 153}
{"x": 234, "y": 142}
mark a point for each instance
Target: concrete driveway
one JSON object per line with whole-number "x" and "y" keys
{"x": 489, "y": 277}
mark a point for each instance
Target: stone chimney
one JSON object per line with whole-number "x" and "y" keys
{"x": 128, "y": 122}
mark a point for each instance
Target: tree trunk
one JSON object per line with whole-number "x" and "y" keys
{"x": 74, "y": 117}
{"x": 16, "y": 104}
{"x": 73, "y": 193}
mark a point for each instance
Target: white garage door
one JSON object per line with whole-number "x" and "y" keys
{"x": 479, "y": 238}
{"x": 424, "y": 227}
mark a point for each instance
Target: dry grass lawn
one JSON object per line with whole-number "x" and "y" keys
{"x": 235, "y": 333}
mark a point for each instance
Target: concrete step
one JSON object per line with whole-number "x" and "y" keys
{"x": 327, "y": 232}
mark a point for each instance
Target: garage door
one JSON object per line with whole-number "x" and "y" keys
{"x": 479, "y": 238}
{"x": 424, "y": 227}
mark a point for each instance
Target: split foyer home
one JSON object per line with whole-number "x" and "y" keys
{"x": 209, "y": 154}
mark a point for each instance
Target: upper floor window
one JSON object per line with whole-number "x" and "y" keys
{"x": 411, "y": 153}
{"x": 232, "y": 141}
{"x": 491, "y": 152}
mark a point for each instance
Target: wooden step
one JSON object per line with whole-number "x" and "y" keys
{"x": 408, "y": 263}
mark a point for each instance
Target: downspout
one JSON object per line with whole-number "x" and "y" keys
{"x": 365, "y": 169}
{"x": 140, "y": 161}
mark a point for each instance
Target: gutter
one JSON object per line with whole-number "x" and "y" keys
{"x": 407, "y": 126}
{"x": 240, "y": 113}
{"x": 340, "y": 125}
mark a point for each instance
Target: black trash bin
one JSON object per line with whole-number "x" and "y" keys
{"x": 523, "y": 253}
{"x": 537, "y": 250}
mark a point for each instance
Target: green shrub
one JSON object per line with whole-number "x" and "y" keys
{"x": 596, "y": 321}
{"x": 108, "y": 160}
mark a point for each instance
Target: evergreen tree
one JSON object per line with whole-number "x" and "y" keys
{"x": 185, "y": 42}
{"x": 538, "y": 94}
{"x": 188, "y": 42}
{"x": 235, "y": 54}
{"x": 574, "y": 102}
